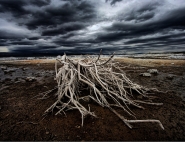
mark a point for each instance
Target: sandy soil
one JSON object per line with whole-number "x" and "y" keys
{"x": 21, "y": 113}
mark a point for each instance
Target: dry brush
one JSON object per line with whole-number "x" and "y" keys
{"x": 108, "y": 86}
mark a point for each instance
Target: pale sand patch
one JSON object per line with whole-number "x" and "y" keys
{"x": 35, "y": 61}
{"x": 152, "y": 62}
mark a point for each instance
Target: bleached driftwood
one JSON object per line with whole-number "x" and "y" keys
{"x": 106, "y": 87}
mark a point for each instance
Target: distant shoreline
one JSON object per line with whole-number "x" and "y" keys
{"x": 167, "y": 56}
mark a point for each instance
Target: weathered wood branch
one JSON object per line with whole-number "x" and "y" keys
{"x": 107, "y": 87}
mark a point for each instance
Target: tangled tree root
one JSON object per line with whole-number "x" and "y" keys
{"x": 104, "y": 84}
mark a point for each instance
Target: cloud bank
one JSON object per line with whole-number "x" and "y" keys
{"x": 86, "y": 26}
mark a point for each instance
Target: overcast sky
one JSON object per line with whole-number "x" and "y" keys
{"x": 86, "y": 26}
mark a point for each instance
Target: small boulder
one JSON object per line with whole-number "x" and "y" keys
{"x": 6, "y": 71}
{"x": 145, "y": 74}
{"x": 153, "y": 71}
{"x": 23, "y": 69}
{"x": 77, "y": 127}
{"x": 47, "y": 133}
{"x": 10, "y": 70}
{"x": 17, "y": 82}
{"x": 30, "y": 79}
{"x": 3, "y": 88}
{"x": 3, "y": 67}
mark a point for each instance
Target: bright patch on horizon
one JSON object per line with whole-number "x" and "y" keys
{"x": 3, "y": 49}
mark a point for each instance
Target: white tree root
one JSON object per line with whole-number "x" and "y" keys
{"x": 106, "y": 87}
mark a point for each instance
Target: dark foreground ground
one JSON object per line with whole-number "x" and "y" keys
{"x": 21, "y": 115}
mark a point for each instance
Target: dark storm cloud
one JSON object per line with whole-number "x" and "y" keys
{"x": 64, "y": 29}
{"x": 134, "y": 16}
{"x": 22, "y": 43}
{"x": 71, "y": 11}
{"x": 144, "y": 13}
{"x": 68, "y": 35}
{"x": 8, "y": 35}
{"x": 16, "y": 7}
{"x": 3, "y": 42}
{"x": 173, "y": 20}
{"x": 83, "y": 26}
{"x": 40, "y": 2}
{"x": 33, "y": 49}
{"x": 166, "y": 38}
{"x": 33, "y": 38}
{"x": 13, "y": 6}
{"x": 73, "y": 43}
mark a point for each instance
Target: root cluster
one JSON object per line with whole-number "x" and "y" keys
{"x": 107, "y": 84}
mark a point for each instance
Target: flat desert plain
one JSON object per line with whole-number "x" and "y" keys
{"x": 21, "y": 110}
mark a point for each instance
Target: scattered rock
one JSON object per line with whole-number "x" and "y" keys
{"x": 6, "y": 71}
{"x": 4, "y": 87}
{"x": 145, "y": 74}
{"x": 23, "y": 69}
{"x": 170, "y": 76}
{"x": 4, "y": 68}
{"x": 21, "y": 80}
{"x": 10, "y": 70}
{"x": 77, "y": 127}
{"x": 17, "y": 82}
{"x": 30, "y": 79}
{"x": 31, "y": 58}
{"x": 47, "y": 133}
{"x": 153, "y": 71}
